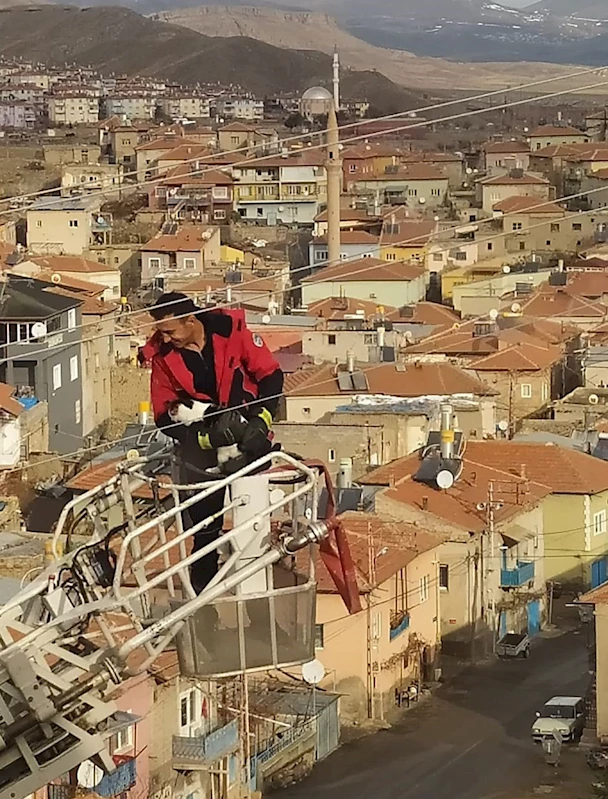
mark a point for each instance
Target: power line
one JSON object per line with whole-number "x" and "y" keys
{"x": 354, "y": 258}
{"x": 365, "y": 136}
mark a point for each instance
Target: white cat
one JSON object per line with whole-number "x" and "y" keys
{"x": 192, "y": 411}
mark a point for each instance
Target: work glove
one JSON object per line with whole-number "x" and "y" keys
{"x": 223, "y": 430}
{"x": 255, "y": 440}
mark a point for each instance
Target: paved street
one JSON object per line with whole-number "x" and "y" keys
{"x": 470, "y": 741}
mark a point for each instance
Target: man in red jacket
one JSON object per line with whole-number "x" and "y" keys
{"x": 211, "y": 356}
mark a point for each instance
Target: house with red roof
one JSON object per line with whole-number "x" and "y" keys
{"x": 492, "y": 577}
{"x": 550, "y": 135}
{"x": 503, "y": 156}
{"x": 495, "y": 189}
{"x": 396, "y": 636}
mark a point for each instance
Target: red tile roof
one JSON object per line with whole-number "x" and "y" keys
{"x": 416, "y": 380}
{"x": 8, "y": 402}
{"x": 399, "y": 542}
{"x": 94, "y": 476}
{"x": 520, "y": 358}
{"x": 367, "y": 269}
{"x": 524, "y": 205}
{"x": 339, "y": 307}
{"x": 85, "y": 287}
{"x": 507, "y": 147}
{"x": 509, "y": 180}
{"x": 70, "y": 263}
{"x": 414, "y": 171}
{"x": 350, "y": 237}
{"x": 166, "y": 144}
{"x": 189, "y": 238}
{"x": 459, "y": 504}
{"x": 555, "y": 301}
{"x": 597, "y": 596}
{"x": 555, "y": 130}
{"x": 407, "y": 233}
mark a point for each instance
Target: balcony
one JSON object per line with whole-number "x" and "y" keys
{"x": 120, "y": 780}
{"x": 513, "y": 578}
{"x": 399, "y": 624}
{"x": 193, "y": 753}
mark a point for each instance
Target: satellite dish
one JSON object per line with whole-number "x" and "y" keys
{"x": 516, "y": 307}
{"x": 206, "y": 235}
{"x": 445, "y": 479}
{"x": 89, "y": 775}
{"x": 593, "y": 399}
{"x": 409, "y": 336}
{"x": 55, "y": 278}
{"x": 313, "y": 672}
{"x": 422, "y": 200}
{"x": 503, "y": 425}
{"x": 132, "y": 455}
{"x": 493, "y": 314}
{"x": 506, "y": 269}
{"x": 266, "y": 319}
{"x": 38, "y": 330}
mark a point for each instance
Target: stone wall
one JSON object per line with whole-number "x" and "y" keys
{"x": 129, "y": 385}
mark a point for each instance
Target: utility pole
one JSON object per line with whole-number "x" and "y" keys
{"x": 511, "y": 403}
{"x": 490, "y": 506}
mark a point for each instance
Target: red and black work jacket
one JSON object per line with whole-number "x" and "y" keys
{"x": 246, "y": 372}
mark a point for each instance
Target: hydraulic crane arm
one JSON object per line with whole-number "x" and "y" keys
{"x": 106, "y": 610}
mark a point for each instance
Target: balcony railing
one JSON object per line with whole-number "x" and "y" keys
{"x": 512, "y": 578}
{"x": 197, "y": 750}
{"x": 399, "y": 625}
{"x": 118, "y": 781}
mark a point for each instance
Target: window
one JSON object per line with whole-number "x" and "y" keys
{"x": 600, "y": 524}
{"x": 39, "y": 223}
{"x": 220, "y": 192}
{"x": 331, "y": 456}
{"x": 189, "y": 263}
{"x": 74, "y": 367}
{"x": 526, "y": 391}
{"x": 122, "y": 740}
{"x": 461, "y": 256}
{"x": 369, "y": 339}
{"x": 444, "y": 577}
{"x": 320, "y": 255}
{"x": 352, "y": 168}
{"x": 306, "y": 411}
{"x": 319, "y": 636}
{"x": 437, "y": 256}
{"x": 56, "y": 377}
{"x": 424, "y": 588}
{"x": 219, "y": 213}
{"x": 554, "y": 227}
{"x": 390, "y": 256}
{"x": 435, "y": 192}
{"x": 77, "y": 411}
{"x": 71, "y": 318}
{"x": 548, "y": 243}
{"x": 331, "y": 338}
{"x": 189, "y": 708}
{"x": 577, "y": 226}
{"x": 154, "y": 263}
{"x": 522, "y": 245}
{"x": 73, "y": 223}
{"x": 517, "y": 225}
{"x": 490, "y": 246}
{"x": 413, "y": 192}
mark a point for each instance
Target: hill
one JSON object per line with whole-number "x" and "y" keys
{"x": 114, "y": 39}
{"x": 585, "y": 9}
{"x": 308, "y": 30}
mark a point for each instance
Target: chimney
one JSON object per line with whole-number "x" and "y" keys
{"x": 350, "y": 361}
{"x": 345, "y": 475}
{"x": 447, "y": 433}
{"x": 228, "y": 294}
{"x": 144, "y": 412}
{"x": 425, "y": 503}
{"x": 473, "y": 478}
{"x": 522, "y": 471}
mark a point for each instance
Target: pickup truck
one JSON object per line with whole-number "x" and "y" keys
{"x": 562, "y": 714}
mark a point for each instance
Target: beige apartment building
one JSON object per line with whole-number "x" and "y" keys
{"x": 73, "y": 110}
{"x": 84, "y": 178}
{"x": 190, "y": 106}
{"x": 372, "y": 655}
{"x": 70, "y": 225}
{"x": 493, "y": 190}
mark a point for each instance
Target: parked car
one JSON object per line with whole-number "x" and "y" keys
{"x": 562, "y": 714}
